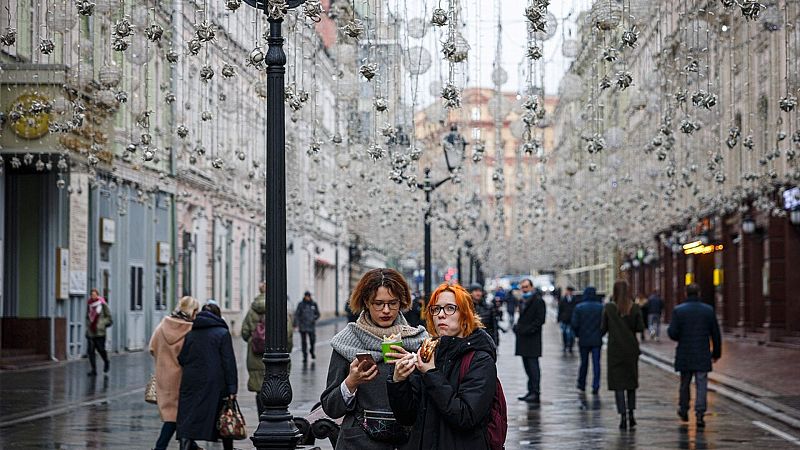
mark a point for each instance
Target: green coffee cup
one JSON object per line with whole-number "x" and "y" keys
{"x": 386, "y": 347}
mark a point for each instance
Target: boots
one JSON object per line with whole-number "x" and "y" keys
{"x": 187, "y": 444}
{"x": 623, "y": 422}
{"x": 631, "y": 420}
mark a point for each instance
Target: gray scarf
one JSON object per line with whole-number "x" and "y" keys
{"x": 357, "y": 338}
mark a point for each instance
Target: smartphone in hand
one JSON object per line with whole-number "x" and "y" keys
{"x": 361, "y": 357}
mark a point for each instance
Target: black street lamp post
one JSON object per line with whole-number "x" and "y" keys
{"x": 276, "y": 428}
{"x": 453, "y": 142}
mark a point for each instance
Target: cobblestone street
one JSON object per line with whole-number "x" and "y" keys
{"x": 60, "y": 407}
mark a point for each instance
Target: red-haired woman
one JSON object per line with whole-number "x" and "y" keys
{"x": 447, "y": 410}
{"x": 356, "y": 387}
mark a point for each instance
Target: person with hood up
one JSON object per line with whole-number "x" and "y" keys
{"x": 254, "y": 325}
{"x": 165, "y": 345}
{"x": 209, "y": 377}
{"x": 98, "y": 318}
{"x": 586, "y": 321}
{"x": 447, "y": 411}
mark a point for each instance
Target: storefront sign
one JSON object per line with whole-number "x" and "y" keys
{"x": 107, "y": 230}
{"x": 78, "y": 235}
{"x": 62, "y": 273}
{"x": 163, "y": 253}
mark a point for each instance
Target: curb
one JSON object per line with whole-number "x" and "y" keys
{"x": 741, "y": 393}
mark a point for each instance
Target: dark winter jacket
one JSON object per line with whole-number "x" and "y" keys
{"x": 306, "y": 315}
{"x": 488, "y": 316}
{"x": 693, "y": 325}
{"x": 445, "y": 413}
{"x": 623, "y": 347}
{"x": 655, "y": 305}
{"x": 586, "y": 319}
{"x": 565, "y": 308}
{"x": 529, "y": 328}
{"x": 209, "y": 375}
{"x": 255, "y": 366}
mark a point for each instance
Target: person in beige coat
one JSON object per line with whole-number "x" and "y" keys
{"x": 165, "y": 345}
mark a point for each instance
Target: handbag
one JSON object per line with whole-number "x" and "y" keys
{"x": 381, "y": 426}
{"x": 150, "y": 391}
{"x": 231, "y": 421}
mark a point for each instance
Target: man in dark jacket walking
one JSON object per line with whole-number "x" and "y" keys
{"x": 693, "y": 324}
{"x": 566, "y": 305}
{"x": 305, "y": 319}
{"x": 485, "y": 311}
{"x": 586, "y": 321}
{"x": 654, "y": 307}
{"x": 529, "y": 338}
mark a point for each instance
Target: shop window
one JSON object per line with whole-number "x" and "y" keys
{"x": 137, "y": 275}
{"x": 162, "y": 288}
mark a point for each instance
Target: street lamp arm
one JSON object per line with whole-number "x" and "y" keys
{"x": 436, "y": 185}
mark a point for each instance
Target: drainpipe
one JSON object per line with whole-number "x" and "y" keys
{"x": 336, "y": 279}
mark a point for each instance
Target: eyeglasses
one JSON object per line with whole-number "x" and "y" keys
{"x": 393, "y": 305}
{"x": 449, "y": 310}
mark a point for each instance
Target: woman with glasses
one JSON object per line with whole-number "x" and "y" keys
{"x": 449, "y": 407}
{"x": 356, "y": 386}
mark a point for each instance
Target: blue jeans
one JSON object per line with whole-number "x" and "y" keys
{"x": 167, "y": 430}
{"x": 701, "y": 384}
{"x": 654, "y": 324}
{"x": 595, "y": 351}
{"x": 568, "y": 336}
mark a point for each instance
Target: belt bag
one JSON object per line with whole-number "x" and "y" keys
{"x": 381, "y": 426}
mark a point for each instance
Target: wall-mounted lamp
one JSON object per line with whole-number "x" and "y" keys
{"x": 794, "y": 217}
{"x": 748, "y": 225}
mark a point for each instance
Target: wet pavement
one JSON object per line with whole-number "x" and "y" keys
{"x": 61, "y": 408}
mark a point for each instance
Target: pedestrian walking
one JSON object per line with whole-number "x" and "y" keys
{"x": 528, "y": 332}
{"x": 512, "y": 302}
{"x": 414, "y": 315}
{"x": 694, "y": 325}
{"x": 642, "y": 302}
{"x": 622, "y": 319}
{"x": 356, "y": 385}
{"x": 485, "y": 312}
{"x": 566, "y": 305}
{"x": 98, "y": 319}
{"x": 254, "y": 333}
{"x": 446, "y": 406}
{"x": 209, "y": 378}
{"x": 165, "y": 346}
{"x": 305, "y": 319}
{"x": 586, "y": 323}
{"x": 655, "y": 306}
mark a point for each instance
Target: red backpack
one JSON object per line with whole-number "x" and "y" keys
{"x": 498, "y": 414}
{"x": 258, "y": 340}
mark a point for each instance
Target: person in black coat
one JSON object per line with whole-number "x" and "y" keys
{"x": 693, "y": 325}
{"x": 566, "y": 305}
{"x": 447, "y": 412}
{"x": 485, "y": 311}
{"x": 209, "y": 377}
{"x": 305, "y": 320}
{"x": 586, "y": 321}
{"x": 529, "y": 338}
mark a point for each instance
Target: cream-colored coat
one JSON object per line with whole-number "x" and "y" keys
{"x": 165, "y": 345}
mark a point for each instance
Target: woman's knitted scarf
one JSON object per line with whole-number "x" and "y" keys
{"x": 364, "y": 335}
